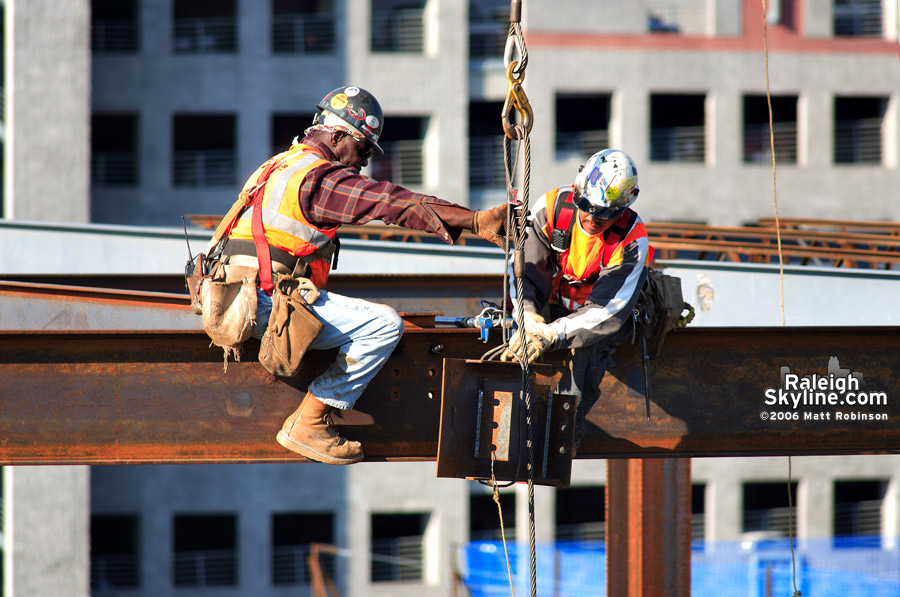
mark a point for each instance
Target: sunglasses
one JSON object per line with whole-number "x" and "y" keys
{"x": 363, "y": 147}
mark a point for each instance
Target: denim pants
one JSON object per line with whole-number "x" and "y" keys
{"x": 364, "y": 333}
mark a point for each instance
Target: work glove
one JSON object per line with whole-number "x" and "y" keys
{"x": 538, "y": 338}
{"x": 312, "y": 294}
{"x": 491, "y": 224}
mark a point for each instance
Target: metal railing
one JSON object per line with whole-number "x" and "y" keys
{"x": 584, "y": 144}
{"x": 208, "y": 568}
{"x": 758, "y": 148}
{"x": 678, "y": 144}
{"x": 114, "y": 571}
{"x": 487, "y": 40}
{"x": 857, "y": 18}
{"x": 398, "y": 559}
{"x": 206, "y": 35}
{"x": 290, "y": 565}
{"x": 113, "y": 169}
{"x": 302, "y": 33}
{"x": 110, "y": 37}
{"x": 209, "y": 168}
{"x": 857, "y": 141}
{"x": 771, "y": 519}
{"x": 486, "y": 166}
{"x": 398, "y": 30}
{"x": 402, "y": 163}
{"x": 858, "y": 518}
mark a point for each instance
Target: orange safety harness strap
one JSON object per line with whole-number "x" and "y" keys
{"x": 263, "y": 254}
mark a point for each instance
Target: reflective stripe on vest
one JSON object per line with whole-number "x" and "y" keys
{"x": 285, "y": 225}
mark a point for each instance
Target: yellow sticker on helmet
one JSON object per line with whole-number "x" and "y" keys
{"x": 339, "y": 102}
{"x": 612, "y": 193}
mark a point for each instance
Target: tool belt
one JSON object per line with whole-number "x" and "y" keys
{"x": 247, "y": 248}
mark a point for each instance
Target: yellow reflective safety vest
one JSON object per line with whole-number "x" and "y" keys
{"x": 285, "y": 225}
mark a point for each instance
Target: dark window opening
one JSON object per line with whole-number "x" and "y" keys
{"x": 302, "y": 26}
{"x": 486, "y": 164}
{"x": 115, "y": 559}
{"x": 857, "y": 129}
{"x": 582, "y": 124}
{"x": 488, "y": 28}
{"x": 698, "y": 512}
{"x": 857, "y": 18}
{"x": 287, "y": 126}
{"x": 677, "y": 128}
{"x": 114, "y": 26}
{"x": 204, "y": 26}
{"x": 203, "y": 150}
{"x": 205, "y": 550}
{"x": 398, "y": 26}
{"x": 114, "y": 150}
{"x": 403, "y": 142}
{"x": 581, "y": 513}
{"x": 766, "y": 507}
{"x": 292, "y": 535}
{"x": 484, "y": 518}
{"x": 397, "y": 551}
{"x": 857, "y": 513}
{"x": 757, "y": 136}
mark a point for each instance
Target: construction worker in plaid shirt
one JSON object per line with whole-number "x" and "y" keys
{"x": 317, "y": 189}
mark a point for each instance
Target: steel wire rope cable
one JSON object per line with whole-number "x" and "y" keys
{"x": 797, "y": 592}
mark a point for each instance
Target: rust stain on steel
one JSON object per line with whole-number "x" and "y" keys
{"x": 100, "y": 397}
{"x": 648, "y": 527}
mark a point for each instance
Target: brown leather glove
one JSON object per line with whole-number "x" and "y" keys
{"x": 491, "y": 224}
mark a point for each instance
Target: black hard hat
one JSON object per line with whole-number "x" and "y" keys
{"x": 357, "y": 109}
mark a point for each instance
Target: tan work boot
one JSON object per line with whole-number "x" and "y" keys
{"x": 309, "y": 432}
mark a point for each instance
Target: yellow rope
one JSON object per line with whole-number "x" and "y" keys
{"x": 780, "y": 276}
{"x": 502, "y": 528}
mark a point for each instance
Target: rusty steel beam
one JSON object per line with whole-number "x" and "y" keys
{"x": 104, "y": 397}
{"x": 648, "y": 527}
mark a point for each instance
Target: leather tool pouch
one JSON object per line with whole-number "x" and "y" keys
{"x": 292, "y": 328}
{"x": 228, "y": 301}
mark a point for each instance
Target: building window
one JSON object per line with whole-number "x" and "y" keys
{"x": 403, "y": 143}
{"x": 677, "y": 128}
{"x": 857, "y": 129}
{"x": 205, "y": 550}
{"x": 203, "y": 150}
{"x": 488, "y": 28}
{"x": 204, "y": 26}
{"x": 663, "y": 16}
{"x": 581, "y": 513}
{"x": 398, "y": 26}
{"x": 857, "y": 513}
{"x": 484, "y": 519}
{"x": 757, "y": 142}
{"x": 857, "y": 18}
{"x": 287, "y": 126}
{"x": 114, "y": 150}
{"x": 582, "y": 125}
{"x": 302, "y": 26}
{"x": 766, "y": 507}
{"x": 114, "y": 26}
{"x": 397, "y": 547}
{"x": 292, "y": 535}
{"x": 115, "y": 557}
{"x": 698, "y": 513}
{"x": 486, "y": 165}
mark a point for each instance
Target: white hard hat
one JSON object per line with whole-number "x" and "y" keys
{"x": 606, "y": 184}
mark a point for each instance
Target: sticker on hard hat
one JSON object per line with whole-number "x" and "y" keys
{"x": 351, "y": 91}
{"x": 339, "y": 102}
{"x": 357, "y": 114}
{"x": 372, "y": 121}
{"x": 595, "y": 174}
{"x": 612, "y": 193}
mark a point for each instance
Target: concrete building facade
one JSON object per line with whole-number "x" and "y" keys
{"x": 138, "y": 111}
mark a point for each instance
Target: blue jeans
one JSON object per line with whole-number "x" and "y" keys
{"x": 364, "y": 333}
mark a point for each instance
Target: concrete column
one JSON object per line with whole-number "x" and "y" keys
{"x": 724, "y": 503}
{"x": 890, "y": 515}
{"x": 47, "y": 531}
{"x": 815, "y": 124}
{"x": 47, "y": 119}
{"x": 814, "y": 510}
{"x": 818, "y": 16}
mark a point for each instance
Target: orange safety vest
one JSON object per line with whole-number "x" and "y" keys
{"x": 580, "y": 256}
{"x": 285, "y": 225}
